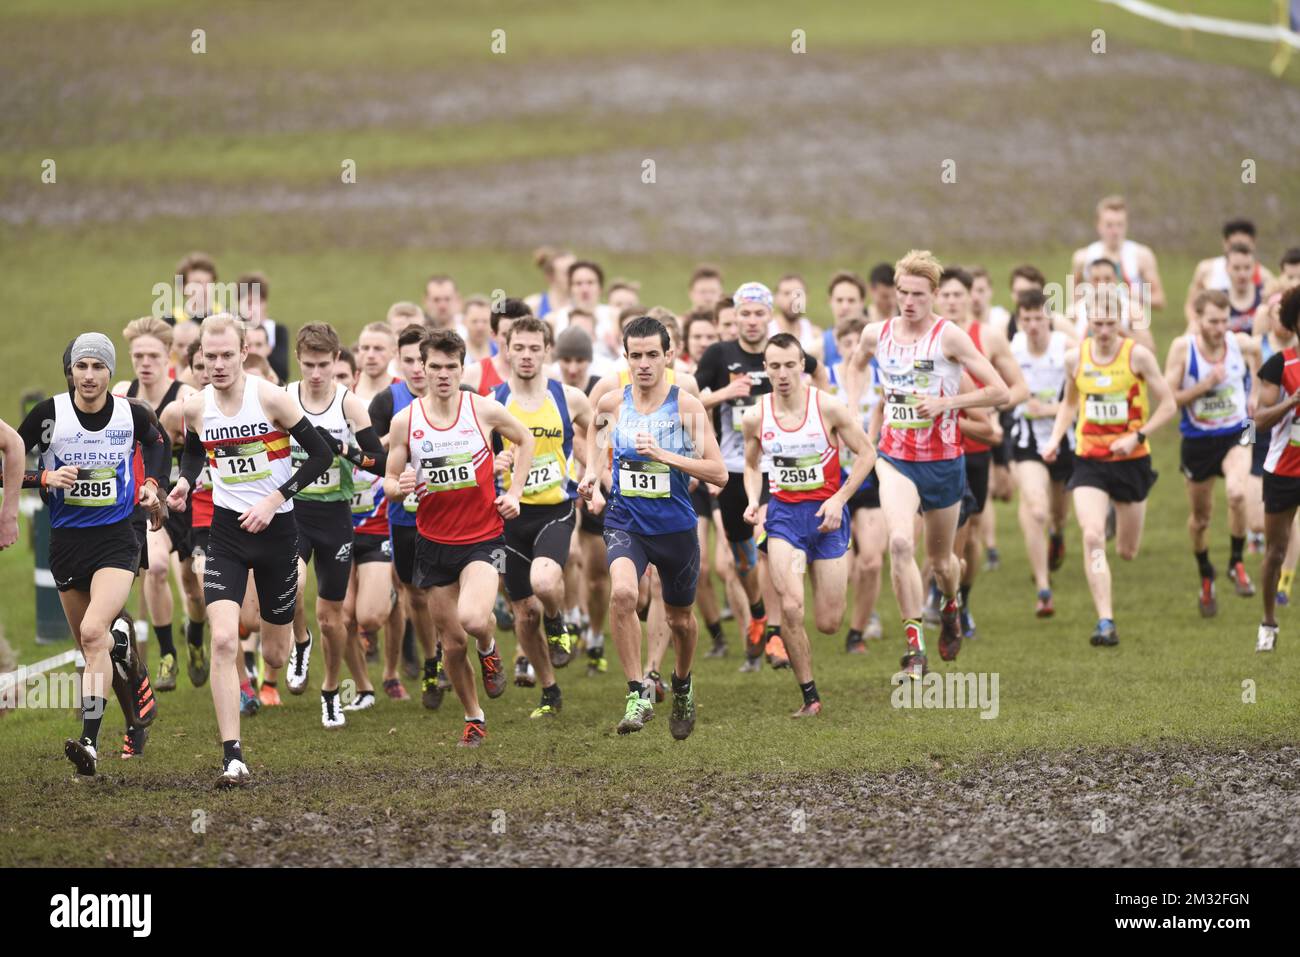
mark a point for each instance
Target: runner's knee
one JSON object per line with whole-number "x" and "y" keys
{"x": 527, "y": 615}
{"x": 829, "y": 617}
{"x": 623, "y": 598}
{"x": 900, "y": 547}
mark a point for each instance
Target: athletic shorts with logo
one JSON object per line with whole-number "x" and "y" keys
{"x": 1128, "y": 480}
{"x": 325, "y": 539}
{"x": 796, "y": 523}
{"x": 1201, "y": 459}
{"x": 77, "y": 553}
{"x": 540, "y": 531}
{"x": 939, "y": 483}
{"x": 371, "y": 548}
{"x": 676, "y": 556}
{"x": 438, "y": 565}
{"x": 271, "y": 555}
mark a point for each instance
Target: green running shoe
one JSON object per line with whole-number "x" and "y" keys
{"x": 561, "y": 646}
{"x": 637, "y": 712}
{"x": 166, "y": 674}
{"x": 198, "y": 665}
{"x": 682, "y": 720}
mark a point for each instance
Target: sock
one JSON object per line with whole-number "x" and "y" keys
{"x": 1044, "y": 593}
{"x": 715, "y": 630}
{"x": 166, "y": 644}
{"x": 478, "y": 721}
{"x": 634, "y": 687}
{"x": 331, "y": 695}
{"x": 757, "y": 610}
{"x": 681, "y": 685}
{"x": 554, "y": 626}
{"x": 964, "y": 591}
{"x": 194, "y": 633}
{"x": 551, "y": 694}
{"x": 1203, "y": 563}
{"x": 231, "y": 751}
{"x": 915, "y": 636}
{"x": 772, "y": 631}
{"x": 1284, "y": 580}
{"x": 268, "y": 684}
{"x": 809, "y": 692}
{"x": 854, "y": 637}
{"x": 491, "y": 648}
{"x": 1238, "y": 545}
{"x": 92, "y": 713}
{"x": 250, "y": 661}
{"x": 431, "y": 667}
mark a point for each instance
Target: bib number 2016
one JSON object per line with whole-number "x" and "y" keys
{"x": 448, "y": 473}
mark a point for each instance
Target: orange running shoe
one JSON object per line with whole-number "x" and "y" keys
{"x": 810, "y": 710}
{"x": 754, "y": 637}
{"x": 776, "y": 653}
{"x": 269, "y": 695}
{"x": 473, "y": 735}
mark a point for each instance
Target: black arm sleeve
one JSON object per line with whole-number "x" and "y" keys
{"x": 1271, "y": 370}
{"x": 381, "y": 412}
{"x": 279, "y": 357}
{"x": 318, "y": 458}
{"x": 31, "y": 479}
{"x": 34, "y": 427}
{"x": 154, "y": 447}
{"x": 193, "y": 458}
{"x": 706, "y": 373}
{"x": 371, "y": 455}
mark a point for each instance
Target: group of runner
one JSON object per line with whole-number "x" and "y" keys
{"x": 419, "y": 486}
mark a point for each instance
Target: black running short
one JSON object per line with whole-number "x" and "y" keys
{"x": 702, "y": 501}
{"x": 540, "y": 531}
{"x": 371, "y": 548}
{"x": 325, "y": 540}
{"x": 403, "y": 538}
{"x": 1128, "y": 480}
{"x": 1059, "y": 471}
{"x": 1202, "y": 459}
{"x": 591, "y": 524}
{"x": 77, "y": 553}
{"x": 1281, "y": 493}
{"x": 867, "y": 495}
{"x": 1002, "y": 451}
{"x": 732, "y": 502}
{"x": 140, "y": 526}
{"x": 199, "y": 542}
{"x": 179, "y": 525}
{"x": 1259, "y": 451}
{"x": 676, "y": 556}
{"x": 438, "y": 565}
{"x": 271, "y": 555}
{"x": 977, "y": 478}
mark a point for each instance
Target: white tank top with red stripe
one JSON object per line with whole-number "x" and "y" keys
{"x": 455, "y": 485}
{"x": 802, "y": 464}
{"x": 908, "y": 372}
{"x": 248, "y": 457}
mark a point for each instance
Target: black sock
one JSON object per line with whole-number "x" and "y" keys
{"x": 554, "y": 626}
{"x": 166, "y": 644}
{"x": 1203, "y": 564}
{"x": 231, "y": 751}
{"x": 854, "y": 636}
{"x": 715, "y": 630}
{"x": 268, "y": 684}
{"x": 431, "y": 667}
{"x": 551, "y": 694}
{"x": 1238, "y": 545}
{"x": 92, "y": 713}
{"x": 250, "y": 661}
{"x": 772, "y": 630}
{"x": 681, "y": 685}
{"x": 757, "y": 610}
{"x": 331, "y": 695}
{"x": 809, "y": 692}
{"x": 965, "y": 595}
{"x": 194, "y": 633}
{"x": 304, "y": 644}
{"x": 635, "y": 687}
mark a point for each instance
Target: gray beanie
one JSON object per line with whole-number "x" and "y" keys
{"x": 573, "y": 343}
{"x": 94, "y": 345}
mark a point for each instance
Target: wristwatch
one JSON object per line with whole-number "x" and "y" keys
{"x": 1142, "y": 437}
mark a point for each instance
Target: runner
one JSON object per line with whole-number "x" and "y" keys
{"x": 484, "y": 376}
{"x": 657, "y": 440}
{"x": 1111, "y": 380}
{"x": 554, "y": 264}
{"x": 92, "y": 479}
{"x": 847, "y": 294}
{"x": 1212, "y": 273}
{"x": 15, "y": 457}
{"x": 442, "y": 303}
{"x": 1001, "y": 483}
{"x": 477, "y": 324}
{"x": 921, "y": 357}
{"x": 1211, "y": 372}
{"x": 1040, "y": 350}
{"x": 793, "y": 437}
{"x": 240, "y": 426}
{"x": 537, "y": 540}
{"x": 791, "y": 301}
{"x": 1245, "y": 292}
{"x": 1276, "y": 339}
{"x": 1279, "y": 394}
{"x": 1136, "y": 263}
{"x": 460, "y": 548}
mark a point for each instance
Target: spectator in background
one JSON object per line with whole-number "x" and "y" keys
{"x": 254, "y": 293}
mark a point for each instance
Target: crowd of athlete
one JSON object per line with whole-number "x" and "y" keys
{"x": 573, "y": 459}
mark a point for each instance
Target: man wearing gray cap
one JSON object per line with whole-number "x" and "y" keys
{"x": 87, "y": 440}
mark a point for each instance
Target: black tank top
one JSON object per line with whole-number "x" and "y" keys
{"x": 133, "y": 390}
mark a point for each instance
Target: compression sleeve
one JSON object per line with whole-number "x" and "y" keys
{"x": 370, "y": 455}
{"x": 318, "y": 461}
{"x": 193, "y": 458}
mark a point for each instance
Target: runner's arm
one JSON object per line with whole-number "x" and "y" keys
{"x": 848, "y": 428}
{"x": 494, "y": 415}
{"x": 381, "y": 414}
{"x": 282, "y": 409}
{"x": 154, "y": 447}
{"x": 1151, "y": 274}
{"x": 750, "y": 423}
{"x": 1194, "y": 290}
{"x": 580, "y": 415}
{"x": 820, "y": 377}
{"x": 368, "y": 453}
{"x": 999, "y": 351}
{"x": 1069, "y": 402}
{"x": 708, "y": 467}
{"x": 1144, "y": 363}
{"x": 688, "y": 384}
{"x": 959, "y": 347}
{"x": 398, "y": 456}
{"x": 1175, "y": 367}
{"x": 856, "y": 375}
{"x": 1273, "y": 403}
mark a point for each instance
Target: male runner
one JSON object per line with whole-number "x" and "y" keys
{"x": 1212, "y": 374}
{"x": 705, "y": 287}
{"x": 11, "y": 447}
{"x": 657, "y": 439}
{"x": 1245, "y": 291}
{"x": 921, "y": 357}
{"x": 1135, "y": 261}
{"x": 1212, "y": 273}
{"x": 847, "y": 295}
{"x": 439, "y": 450}
{"x": 240, "y": 426}
{"x": 441, "y": 302}
{"x": 1110, "y": 382}
{"x": 484, "y": 376}
{"x": 791, "y": 302}
{"x": 793, "y": 437}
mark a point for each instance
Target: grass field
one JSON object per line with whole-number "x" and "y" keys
{"x": 766, "y": 162}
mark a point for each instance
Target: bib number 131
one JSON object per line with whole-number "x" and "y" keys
{"x": 644, "y": 479}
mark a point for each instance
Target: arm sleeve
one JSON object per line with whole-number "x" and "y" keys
{"x": 154, "y": 446}
{"x": 381, "y": 412}
{"x": 193, "y": 458}
{"x": 370, "y": 455}
{"x": 1270, "y": 371}
{"x": 32, "y": 428}
{"x": 279, "y": 358}
{"x": 707, "y": 371}
{"x": 31, "y": 479}
{"x": 318, "y": 458}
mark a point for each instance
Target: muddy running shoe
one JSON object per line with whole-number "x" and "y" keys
{"x": 331, "y": 714}
{"x": 597, "y": 663}
{"x": 1267, "y": 638}
{"x": 950, "y": 630}
{"x": 755, "y": 637}
{"x": 248, "y": 703}
{"x": 930, "y": 614}
{"x": 133, "y": 742}
{"x": 198, "y": 665}
{"x": 234, "y": 775}
{"x": 364, "y": 701}
{"x": 653, "y": 679}
{"x": 992, "y": 560}
{"x": 1055, "y": 553}
{"x": 494, "y": 673}
{"x": 874, "y": 631}
{"x": 371, "y": 645}
{"x": 636, "y": 712}
{"x": 505, "y": 618}
{"x": 146, "y": 706}
{"x": 854, "y": 643}
{"x": 681, "y": 721}
{"x": 82, "y": 755}
{"x": 299, "y": 663}
{"x": 473, "y": 735}
{"x": 1105, "y": 634}
{"x": 395, "y": 690}
{"x": 1284, "y": 581}
{"x": 1044, "y": 608}
{"x": 561, "y": 644}
{"x": 810, "y": 710}
{"x": 269, "y": 695}
{"x": 915, "y": 665}
{"x": 776, "y": 653}
{"x": 550, "y": 707}
{"x": 968, "y": 625}
{"x": 1206, "y": 598}
{"x": 525, "y": 676}
{"x": 1240, "y": 580}
{"x": 1255, "y": 544}
{"x": 444, "y": 679}
{"x": 431, "y": 692}
{"x": 167, "y": 671}
{"x": 719, "y": 648}
{"x": 751, "y": 665}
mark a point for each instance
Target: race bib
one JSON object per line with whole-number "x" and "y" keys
{"x": 94, "y": 488}
{"x": 1215, "y": 405}
{"x": 361, "y": 500}
{"x": 1046, "y": 397}
{"x": 446, "y": 473}
{"x": 330, "y": 481}
{"x": 205, "y": 479}
{"x": 644, "y": 479}
{"x": 1109, "y": 409}
{"x": 738, "y": 407}
{"x": 544, "y": 474}
{"x": 801, "y": 473}
{"x": 237, "y": 464}
{"x": 900, "y": 412}
{"x": 411, "y": 503}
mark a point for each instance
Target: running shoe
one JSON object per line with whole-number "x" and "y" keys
{"x": 809, "y": 710}
{"x": 751, "y": 665}
{"x": 133, "y": 742}
{"x": 968, "y": 625}
{"x": 915, "y": 665}
{"x": 364, "y": 701}
{"x": 992, "y": 560}
{"x": 395, "y": 690}
{"x": 1240, "y": 580}
{"x": 505, "y": 618}
{"x": 549, "y": 709}
{"x": 1266, "y": 641}
{"x": 1284, "y": 582}
{"x": 248, "y": 704}
{"x": 525, "y": 676}
{"x": 855, "y": 643}
{"x": 82, "y": 755}
{"x": 653, "y": 678}
{"x": 269, "y": 695}
{"x": 754, "y": 638}
{"x": 1044, "y": 608}
{"x": 431, "y": 692}
{"x": 950, "y": 630}
{"x": 473, "y": 735}
{"x": 494, "y": 673}
{"x": 1055, "y": 553}
{"x": 776, "y": 653}
{"x": 331, "y": 713}
{"x": 299, "y": 663}
{"x": 444, "y": 679}
{"x": 681, "y": 720}
{"x": 198, "y": 665}
{"x": 561, "y": 645}
{"x": 1255, "y": 543}
{"x": 1207, "y": 599}
{"x": 874, "y": 631}
{"x": 718, "y": 649}
{"x": 930, "y": 614}
{"x": 146, "y": 706}
{"x": 597, "y": 663}
{"x": 636, "y": 712}
{"x": 234, "y": 775}
{"x": 166, "y": 673}
{"x": 1105, "y": 634}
